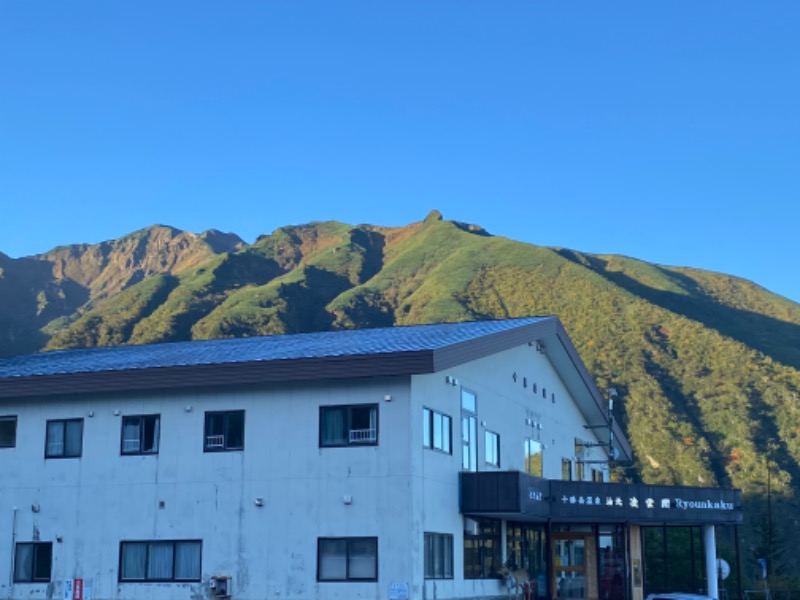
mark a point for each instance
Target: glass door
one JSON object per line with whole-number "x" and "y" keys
{"x": 574, "y": 565}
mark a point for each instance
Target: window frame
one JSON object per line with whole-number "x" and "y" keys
{"x": 35, "y": 559}
{"x": 225, "y": 447}
{"x": 530, "y": 456}
{"x": 13, "y": 437}
{"x": 447, "y": 559}
{"x": 348, "y": 541}
{"x": 348, "y": 425}
{"x": 147, "y": 544}
{"x": 47, "y": 441}
{"x": 469, "y": 430}
{"x": 429, "y": 416}
{"x": 482, "y": 554}
{"x": 156, "y": 436}
{"x": 491, "y": 440}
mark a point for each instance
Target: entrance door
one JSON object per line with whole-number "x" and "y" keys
{"x": 574, "y": 565}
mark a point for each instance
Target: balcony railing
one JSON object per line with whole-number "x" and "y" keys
{"x": 215, "y": 441}
{"x": 363, "y": 436}
{"x": 131, "y": 445}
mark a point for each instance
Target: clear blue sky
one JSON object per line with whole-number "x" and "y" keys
{"x": 664, "y": 130}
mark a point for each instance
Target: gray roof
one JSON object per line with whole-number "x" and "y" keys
{"x": 345, "y": 343}
{"x": 386, "y": 352}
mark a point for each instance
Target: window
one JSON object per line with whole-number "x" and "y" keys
{"x": 566, "y": 469}
{"x": 534, "y": 458}
{"x": 347, "y": 559}
{"x": 580, "y": 456}
{"x": 436, "y": 428}
{"x": 492, "y": 448}
{"x": 171, "y": 560}
{"x": 33, "y": 562}
{"x": 469, "y": 431}
{"x": 140, "y": 434}
{"x": 354, "y": 425}
{"x": 64, "y": 438}
{"x": 8, "y": 432}
{"x": 224, "y": 431}
{"x": 482, "y": 552}
{"x": 438, "y": 556}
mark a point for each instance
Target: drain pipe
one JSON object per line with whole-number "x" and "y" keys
{"x": 13, "y": 553}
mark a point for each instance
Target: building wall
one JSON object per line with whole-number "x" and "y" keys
{"x": 93, "y": 502}
{"x": 507, "y": 405}
{"x": 399, "y": 489}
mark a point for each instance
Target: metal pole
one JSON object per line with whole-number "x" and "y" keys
{"x": 13, "y": 553}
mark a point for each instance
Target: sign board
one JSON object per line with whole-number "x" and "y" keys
{"x": 398, "y": 591}
{"x": 77, "y": 590}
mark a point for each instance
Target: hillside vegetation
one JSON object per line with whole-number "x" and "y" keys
{"x": 707, "y": 364}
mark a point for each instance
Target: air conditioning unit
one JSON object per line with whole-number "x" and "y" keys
{"x": 471, "y": 526}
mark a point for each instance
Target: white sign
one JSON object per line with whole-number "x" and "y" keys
{"x": 68, "y": 585}
{"x": 398, "y": 591}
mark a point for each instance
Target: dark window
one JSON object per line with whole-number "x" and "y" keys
{"x": 482, "y": 553}
{"x": 224, "y": 431}
{"x": 170, "y": 560}
{"x": 33, "y": 562}
{"x": 64, "y": 438}
{"x": 492, "y": 448}
{"x": 436, "y": 430}
{"x": 353, "y": 425}
{"x": 140, "y": 434}
{"x": 8, "y": 432}
{"x": 438, "y": 556}
{"x": 347, "y": 559}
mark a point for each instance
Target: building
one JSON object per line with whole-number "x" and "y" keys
{"x": 411, "y": 462}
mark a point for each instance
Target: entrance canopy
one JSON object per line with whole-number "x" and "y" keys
{"x": 518, "y": 496}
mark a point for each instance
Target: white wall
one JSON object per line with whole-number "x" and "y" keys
{"x": 504, "y": 405}
{"x": 95, "y": 501}
{"x": 400, "y": 490}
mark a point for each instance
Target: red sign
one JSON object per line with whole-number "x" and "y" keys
{"x": 77, "y": 590}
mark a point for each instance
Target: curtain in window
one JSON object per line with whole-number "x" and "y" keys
{"x": 373, "y": 419}
{"x": 187, "y": 560}
{"x": 72, "y": 438}
{"x": 55, "y": 438}
{"x": 333, "y": 427}
{"x": 362, "y": 561}
{"x": 134, "y": 559}
{"x": 23, "y": 563}
{"x": 159, "y": 565}
{"x": 333, "y": 559}
{"x": 130, "y": 435}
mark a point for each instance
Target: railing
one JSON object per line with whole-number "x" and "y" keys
{"x": 215, "y": 441}
{"x": 131, "y": 445}
{"x": 363, "y": 436}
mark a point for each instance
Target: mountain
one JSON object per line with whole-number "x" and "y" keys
{"x": 707, "y": 365}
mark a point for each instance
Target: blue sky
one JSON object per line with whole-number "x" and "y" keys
{"x": 667, "y": 131}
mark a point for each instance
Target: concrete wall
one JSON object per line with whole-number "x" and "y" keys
{"x": 94, "y": 502}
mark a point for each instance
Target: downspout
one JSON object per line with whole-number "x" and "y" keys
{"x": 13, "y": 553}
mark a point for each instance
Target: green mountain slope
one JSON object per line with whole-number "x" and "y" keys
{"x": 707, "y": 364}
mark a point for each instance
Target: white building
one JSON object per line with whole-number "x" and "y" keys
{"x": 322, "y": 466}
